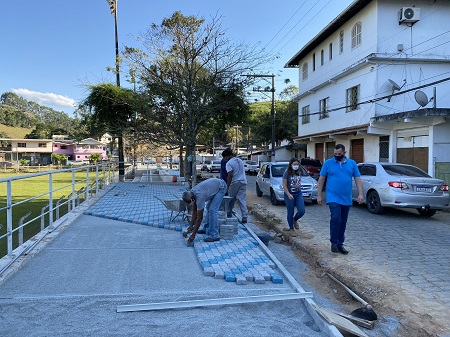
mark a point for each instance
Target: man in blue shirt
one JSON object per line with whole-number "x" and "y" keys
{"x": 223, "y": 165}
{"x": 339, "y": 172}
{"x": 206, "y": 195}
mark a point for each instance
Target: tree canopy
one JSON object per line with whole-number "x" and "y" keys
{"x": 191, "y": 75}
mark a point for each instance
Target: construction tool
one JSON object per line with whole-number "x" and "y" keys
{"x": 365, "y": 312}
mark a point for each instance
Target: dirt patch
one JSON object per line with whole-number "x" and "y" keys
{"x": 389, "y": 302}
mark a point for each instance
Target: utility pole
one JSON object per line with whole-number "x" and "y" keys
{"x": 113, "y": 6}
{"x": 272, "y": 107}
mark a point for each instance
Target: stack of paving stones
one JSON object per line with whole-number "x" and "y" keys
{"x": 239, "y": 259}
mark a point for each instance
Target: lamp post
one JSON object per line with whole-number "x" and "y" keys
{"x": 272, "y": 108}
{"x": 113, "y": 6}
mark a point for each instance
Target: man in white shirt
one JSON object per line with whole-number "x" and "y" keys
{"x": 236, "y": 183}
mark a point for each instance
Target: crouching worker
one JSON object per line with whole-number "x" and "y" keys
{"x": 211, "y": 192}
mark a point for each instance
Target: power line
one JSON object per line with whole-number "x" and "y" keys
{"x": 379, "y": 98}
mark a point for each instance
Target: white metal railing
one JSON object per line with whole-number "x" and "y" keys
{"x": 45, "y": 206}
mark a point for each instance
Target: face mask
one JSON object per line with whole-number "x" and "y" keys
{"x": 339, "y": 158}
{"x": 294, "y": 167}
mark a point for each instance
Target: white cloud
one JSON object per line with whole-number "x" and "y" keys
{"x": 45, "y": 98}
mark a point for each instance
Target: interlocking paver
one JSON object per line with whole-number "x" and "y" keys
{"x": 140, "y": 203}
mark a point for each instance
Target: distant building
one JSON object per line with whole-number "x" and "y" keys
{"x": 39, "y": 151}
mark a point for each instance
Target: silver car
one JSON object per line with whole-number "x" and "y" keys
{"x": 251, "y": 167}
{"x": 401, "y": 186}
{"x": 214, "y": 166}
{"x": 269, "y": 181}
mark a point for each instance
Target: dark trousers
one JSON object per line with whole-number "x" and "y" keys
{"x": 338, "y": 223}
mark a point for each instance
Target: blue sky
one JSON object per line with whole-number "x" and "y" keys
{"x": 54, "y": 49}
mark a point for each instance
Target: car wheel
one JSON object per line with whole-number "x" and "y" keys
{"x": 273, "y": 198}
{"x": 373, "y": 203}
{"x": 426, "y": 212}
{"x": 259, "y": 193}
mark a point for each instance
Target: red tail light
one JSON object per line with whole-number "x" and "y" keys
{"x": 398, "y": 184}
{"x": 443, "y": 188}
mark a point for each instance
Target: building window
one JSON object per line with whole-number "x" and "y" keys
{"x": 42, "y": 145}
{"x": 323, "y": 108}
{"x": 21, "y": 144}
{"x": 356, "y": 35}
{"x": 341, "y": 42}
{"x": 352, "y": 98}
{"x": 322, "y": 57}
{"x": 305, "y": 114}
{"x": 384, "y": 149}
{"x": 314, "y": 61}
{"x": 330, "y": 51}
{"x": 305, "y": 71}
{"x": 63, "y": 147}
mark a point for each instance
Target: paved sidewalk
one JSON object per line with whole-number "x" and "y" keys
{"x": 124, "y": 250}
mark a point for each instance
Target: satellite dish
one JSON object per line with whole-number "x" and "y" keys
{"x": 395, "y": 86}
{"x": 421, "y": 98}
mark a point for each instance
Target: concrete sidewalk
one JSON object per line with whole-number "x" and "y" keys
{"x": 122, "y": 249}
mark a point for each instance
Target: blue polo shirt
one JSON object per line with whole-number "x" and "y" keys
{"x": 339, "y": 180}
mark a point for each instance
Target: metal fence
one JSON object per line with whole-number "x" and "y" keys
{"x": 48, "y": 197}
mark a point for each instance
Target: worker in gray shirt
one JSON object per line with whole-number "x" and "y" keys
{"x": 236, "y": 183}
{"x": 208, "y": 194}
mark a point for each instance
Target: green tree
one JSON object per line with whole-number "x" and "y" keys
{"x": 59, "y": 158}
{"x": 95, "y": 158}
{"x": 110, "y": 108}
{"x": 190, "y": 73}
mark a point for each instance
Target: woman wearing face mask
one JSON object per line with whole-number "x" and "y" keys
{"x": 292, "y": 185}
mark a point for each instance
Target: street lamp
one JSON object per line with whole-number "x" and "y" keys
{"x": 272, "y": 107}
{"x": 113, "y": 6}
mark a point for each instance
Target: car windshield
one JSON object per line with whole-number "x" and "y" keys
{"x": 278, "y": 170}
{"x": 216, "y": 162}
{"x": 403, "y": 170}
{"x": 249, "y": 162}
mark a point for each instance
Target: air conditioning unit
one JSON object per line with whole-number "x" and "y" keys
{"x": 409, "y": 15}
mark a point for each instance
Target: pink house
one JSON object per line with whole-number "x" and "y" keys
{"x": 80, "y": 151}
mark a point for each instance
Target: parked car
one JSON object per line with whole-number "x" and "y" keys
{"x": 214, "y": 166}
{"x": 401, "y": 186}
{"x": 251, "y": 167}
{"x": 205, "y": 164}
{"x": 313, "y": 166}
{"x": 6, "y": 164}
{"x": 269, "y": 182}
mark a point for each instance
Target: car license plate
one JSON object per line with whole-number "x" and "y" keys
{"x": 423, "y": 189}
{"x": 305, "y": 194}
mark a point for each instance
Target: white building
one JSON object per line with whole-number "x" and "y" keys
{"x": 377, "y": 79}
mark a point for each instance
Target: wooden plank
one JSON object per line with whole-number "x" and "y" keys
{"x": 358, "y": 321}
{"x": 339, "y": 322}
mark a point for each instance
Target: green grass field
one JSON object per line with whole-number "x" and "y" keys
{"x": 35, "y": 191}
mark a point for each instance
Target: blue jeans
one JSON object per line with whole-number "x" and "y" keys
{"x": 291, "y": 204}
{"x": 213, "y": 211}
{"x": 338, "y": 223}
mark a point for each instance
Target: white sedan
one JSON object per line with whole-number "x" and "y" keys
{"x": 251, "y": 167}
{"x": 401, "y": 186}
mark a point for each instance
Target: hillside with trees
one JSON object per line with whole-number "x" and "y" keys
{"x": 26, "y": 119}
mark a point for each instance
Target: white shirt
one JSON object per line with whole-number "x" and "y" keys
{"x": 237, "y": 166}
